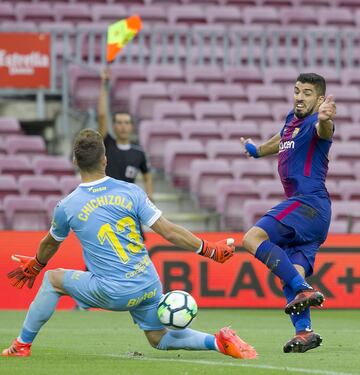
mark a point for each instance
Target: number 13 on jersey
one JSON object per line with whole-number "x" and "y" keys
{"x": 106, "y": 233}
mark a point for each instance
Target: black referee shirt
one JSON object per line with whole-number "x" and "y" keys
{"x": 124, "y": 164}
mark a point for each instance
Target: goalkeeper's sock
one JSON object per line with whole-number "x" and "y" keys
{"x": 275, "y": 258}
{"x": 40, "y": 311}
{"x": 187, "y": 339}
{"x": 302, "y": 321}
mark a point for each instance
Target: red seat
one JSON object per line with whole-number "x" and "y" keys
{"x": 53, "y": 165}
{"x": 25, "y": 213}
{"x": 153, "y": 137}
{"x": 25, "y": 145}
{"x": 8, "y": 186}
{"x": 178, "y": 156}
{"x": 203, "y": 131}
{"x": 39, "y": 185}
{"x": 204, "y": 176}
{"x": 16, "y": 165}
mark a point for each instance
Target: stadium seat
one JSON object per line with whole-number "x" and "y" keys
{"x": 339, "y": 17}
{"x": 349, "y": 132}
{"x": 26, "y": 26}
{"x": 186, "y": 14}
{"x": 218, "y": 111}
{"x": 50, "y": 203}
{"x": 299, "y": 16}
{"x": 25, "y": 145}
{"x": 16, "y": 165}
{"x": 153, "y": 137}
{"x": 172, "y": 110}
{"x": 232, "y": 93}
{"x": 177, "y": 158}
{"x": 270, "y": 189}
{"x": 253, "y": 210}
{"x": 269, "y": 129}
{"x": 25, "y": 213}
{"x": 252, "y": 111}
{"x": 264, "y": 16}
{"x": 317, "y": 3}
{"x": 123, "y": 76}
{"x": 228, "y": 150}
{"x": 75, "y": 12}
{"x": 224, "y": 15}
{"x": 9, "y": 125}
{"x": 150, "y": 13}
{"x": 234, "y": 130}
{"x": 266, "y": 93}
{"x": 357, "y": 170}
{"x": 39, "y": 185}
{"x": 84, "y": 86}
{"x": 143, "y": 97}
{"x": 285, "y": 75}
{"x": 340, "y": 170}
{"x": 230, "y": 198}
{"x": 197, "y": 73}
{"x": 355, "y": 113}
{"x": 338, "y": 226}
{"x": 34, "y": 12}
{"x": 189, "y": 92}
{"x": 344, "y": 210}
{"x": 165, "y": 73}
{"x": 333, "y": 189}
{"x": 108, "y": 12}
{"x": 203, "y": 131}
{"x": 280, "y": 111}
{"x": 7, "y": 12}
{"x": 68, "y": 184}
{"x": 204, "y": 176}
{"x": 345, "y": 151}
{"x": 350, "y": 190}
{"x": 8, "y": 186}
{"x": 242, "y": 74}
{"x": 2, "y": 217}
{"x": 253, "y": 169}
{"x": 278, "y": 3}
{"x": 352, "y": 4}
{"x": 350, "y": 76}
{"x": 344, "y": 94}
{"x": 53, "y": 165}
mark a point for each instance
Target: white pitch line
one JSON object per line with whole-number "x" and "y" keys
{"x": 228, "y": 364}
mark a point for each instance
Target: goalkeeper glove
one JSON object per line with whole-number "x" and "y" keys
{"x": 26, "y": 273}
{"x": 219, "y": 251}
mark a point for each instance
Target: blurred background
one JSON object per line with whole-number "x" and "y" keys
{"x": 199, "y": 75}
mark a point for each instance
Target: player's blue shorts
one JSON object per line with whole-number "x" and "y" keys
{"x": 299, "y": 228}
{"x": 89, "y": 291}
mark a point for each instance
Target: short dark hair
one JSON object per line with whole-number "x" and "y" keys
{"x": 122, "y": 113}
{"x": 315, "y": 79}
{"x": 88, "y": 149}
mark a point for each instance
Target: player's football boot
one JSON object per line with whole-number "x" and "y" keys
{"x": 229, "y": 343}
{"x": 17, "y": 349}
{"x": 304, "y": 299}
{"x": 303, "y": 341}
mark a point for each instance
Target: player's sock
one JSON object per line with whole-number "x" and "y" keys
{"x": 40, "y": 311}
{"x": 302, "y": 321}
{"x": 187, "y": 339}
{"x": 275, "y": 258}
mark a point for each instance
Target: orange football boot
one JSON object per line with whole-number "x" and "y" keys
{"x": 17, "y": 349}
{"x": 229, "y": 343}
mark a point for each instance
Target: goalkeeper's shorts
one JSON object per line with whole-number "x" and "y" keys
{"x": 86, "y": 289}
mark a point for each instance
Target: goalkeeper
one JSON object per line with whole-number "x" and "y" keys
{"x": 287, "y": 238}
{"x": 105, "y": 215}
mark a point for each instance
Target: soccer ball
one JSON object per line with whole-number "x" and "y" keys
{"x": 177, "y": 309}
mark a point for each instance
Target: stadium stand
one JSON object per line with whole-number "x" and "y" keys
{"x": 200, "y": 75}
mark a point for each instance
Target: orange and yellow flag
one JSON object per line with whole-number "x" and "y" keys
{"x": 120, "y": 33}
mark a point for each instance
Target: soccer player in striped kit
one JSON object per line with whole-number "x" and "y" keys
{"x": 287, "y": 238}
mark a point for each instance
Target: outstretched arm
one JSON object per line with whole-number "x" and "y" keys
{"x": 31, "y": 266}
{"x": 327, "y": 111}
{"x": 219, "y": 251}
{"x": 103, "y": 102}
{"x": 270, "y": 147}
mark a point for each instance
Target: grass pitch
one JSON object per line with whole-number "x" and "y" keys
{"x": 107, "y": 343}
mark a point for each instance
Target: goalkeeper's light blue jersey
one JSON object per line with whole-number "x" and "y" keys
{"x": 105, "y": 215}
